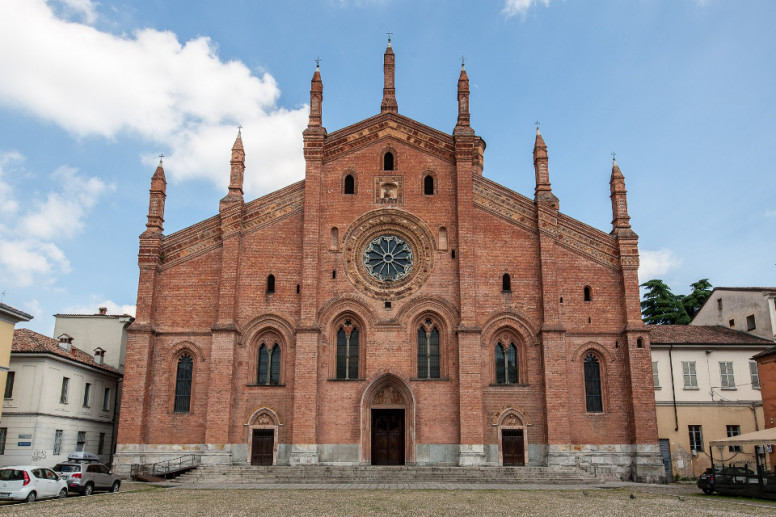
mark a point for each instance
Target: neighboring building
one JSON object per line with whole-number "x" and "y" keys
{"x": 766, "y": 365}
{"x": 748, "y": 309}
{"x": 9, "y": 317}
{"x": 92, "y": 331}
{"x": 706, "y": 387}
{"x": 395, "y": 307}
{"x": 63, "y": 401}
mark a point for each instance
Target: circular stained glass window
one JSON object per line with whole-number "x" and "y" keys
{"x": 388, "y": 258}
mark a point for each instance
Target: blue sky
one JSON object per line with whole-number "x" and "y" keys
{"x": 91, "y": 92}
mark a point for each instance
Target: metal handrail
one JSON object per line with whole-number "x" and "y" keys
{"x": 162, "y": 468}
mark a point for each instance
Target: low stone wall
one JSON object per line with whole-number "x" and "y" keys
{"x": 615, "y": 462}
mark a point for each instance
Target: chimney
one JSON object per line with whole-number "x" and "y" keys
{"x": 99, "y": 355}
{"x": 103, "y": 311}
{"x": 66, "y": 342}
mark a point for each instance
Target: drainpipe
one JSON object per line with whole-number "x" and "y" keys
{"x": 673, "y": 389}
{"x": 754, "y": 414}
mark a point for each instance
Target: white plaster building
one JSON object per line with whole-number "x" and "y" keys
{"x": 748, "y": 309}
{"x": 62, "y": 400}
{"x": 102, "y": 330}
{"x": 706, "y": 387}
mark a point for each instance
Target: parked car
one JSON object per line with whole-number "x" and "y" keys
{"x": 85, "y": 477}
{"x": 706, "y": 482}
{"x": 28, "y": 483}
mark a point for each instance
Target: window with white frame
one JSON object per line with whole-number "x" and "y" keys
{"x": 754, "y": 375}
{"x": 733, "y": 430}
{"x": 726, "y": 378}
{"x": 65, "y": 389}
{"x": 106, "y": 400}
{"x": 80, "y": 444}
{"x": 696, "y": 438}
{"x": 87, "y": 394}
{"x": 690, "y": 377}
{"x": 655, "y": 376}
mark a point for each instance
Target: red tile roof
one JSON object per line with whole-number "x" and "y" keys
{"x": 27, "y": 341}
{"x": 702, "y": 335}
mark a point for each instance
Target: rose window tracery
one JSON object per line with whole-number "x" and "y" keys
{"x": 388, "y": 258}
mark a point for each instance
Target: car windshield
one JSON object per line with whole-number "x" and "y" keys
{"x": 11, "y": 475}
{"x": 67, "y": 468}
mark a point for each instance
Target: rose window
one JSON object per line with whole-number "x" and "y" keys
{"x": 388, "y": 258}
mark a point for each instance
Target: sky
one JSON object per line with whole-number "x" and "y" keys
{"x": 92, "y": 92}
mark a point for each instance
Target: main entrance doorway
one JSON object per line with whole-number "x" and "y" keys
{"x": 387, "y": 437}
{"x": 262, "y": 446}
{"x": 512, "y": 447}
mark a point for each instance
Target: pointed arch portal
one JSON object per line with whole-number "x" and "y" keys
{"x": 388, "y": 422}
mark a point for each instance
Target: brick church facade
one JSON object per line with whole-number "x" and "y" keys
{"x": 394, "y": 307}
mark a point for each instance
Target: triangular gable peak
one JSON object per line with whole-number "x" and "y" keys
{"x": 389, "y": 126}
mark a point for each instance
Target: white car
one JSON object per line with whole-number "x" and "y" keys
{"x": 28, "y": 483}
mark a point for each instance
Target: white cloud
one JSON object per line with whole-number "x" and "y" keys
{"x": 8, "y": 205}
{"x": 654, "y": 264}
{"x": 515, "y": 7}
{"x": 113, "y": 308}
{"x": 84, "y": 8}
{"x": 28, "y": 239}
{"x": 180, "y": 96}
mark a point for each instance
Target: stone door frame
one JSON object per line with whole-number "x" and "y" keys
{"x": 263, "y": 418}
{"x": 509, "y": 419}
{"x": 387, "y": 392}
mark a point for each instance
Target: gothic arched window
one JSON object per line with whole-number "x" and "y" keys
{"x": 350, "y": 184}
{"x": 428, "y": 351}
{"x": 428, "y": 185}
{"x": 347, "y": 351}
{"x": 388, "y": 161}
{"x": 269, "y": 365}
{"x": 506, "y": 363}
{"x": 183, "y": 378}
{"x": 593, "y": 397}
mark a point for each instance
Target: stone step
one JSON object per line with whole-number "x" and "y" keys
{"x": 322, "y": 474}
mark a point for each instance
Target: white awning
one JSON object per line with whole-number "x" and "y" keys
{"x": 764, "y": 437}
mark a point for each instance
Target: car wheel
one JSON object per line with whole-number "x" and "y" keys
{"x": 88, "y": 489}
{"x": 115, "y": 487}
{"x": 707, "y": 490}
{"x": 31, "y": 497}
{"x": 63, "y": 493}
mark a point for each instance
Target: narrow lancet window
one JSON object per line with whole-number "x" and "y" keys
{"x": 350, "y": 184}
{"x": 183, "y": 384}
{"x": 428, "y": 185}
{"x": 506, "y": 283}
{"x": 388, "y": 161}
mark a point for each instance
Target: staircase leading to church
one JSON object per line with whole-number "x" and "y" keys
{"x": 325, "y": 474}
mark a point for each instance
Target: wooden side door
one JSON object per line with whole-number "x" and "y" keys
{"x": 512, "y": 447}
{"x": 262, "y": 447}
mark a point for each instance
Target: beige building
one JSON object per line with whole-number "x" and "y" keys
{"x": 63, "y": 400}
{"x": 92, "y": 331}
{"x": 706, "y": 387}
{"x": 9, "y": 317}
{"x": 748, "y": 309}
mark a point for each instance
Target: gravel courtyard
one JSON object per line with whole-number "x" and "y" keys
{"x": 154, "y": 501}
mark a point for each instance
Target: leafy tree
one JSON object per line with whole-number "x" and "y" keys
{"x": 662, "y": 307}
{"x": 701, "y": 290}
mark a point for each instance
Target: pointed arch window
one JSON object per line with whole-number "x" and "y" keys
{"x": 269, "y": 365}
{"x": 506, "y": 283}
{"x": 506, "y": 363}
{"x": 270, "y": 284}
{"x": 350, "y": 184}
{"x": 347, "y": 351}
{"x": 428, "y": 185}
{"x": 183, "y": 378}
{"x": 388, "y": 161}
{"x": 428, "y": 351}
{"x": 593, "y": 397}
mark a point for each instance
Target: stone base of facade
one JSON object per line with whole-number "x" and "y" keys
{"x": 472, "y": 456}
{"x": 621, "y": 462}
{"x": 303, "y": 454}
{"x": 128, "y": 455}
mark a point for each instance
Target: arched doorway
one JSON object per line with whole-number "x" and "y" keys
{"x": 512, "y": 438}
{"x": 388, "y": 422}
{"x": 263, "y": 437}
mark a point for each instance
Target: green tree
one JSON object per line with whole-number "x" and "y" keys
{"x": 662, "y": 307}
{"x": 701, "y": 290}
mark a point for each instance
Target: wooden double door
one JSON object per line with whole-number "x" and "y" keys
{"x": 512, "y": 447}
{"x": 387, "y": 437}
{"x": 262, "y": 446}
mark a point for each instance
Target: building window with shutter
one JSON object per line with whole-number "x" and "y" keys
{"x": 57, "y": 449}
{"x": 727, "y": 380}
{"x": 87, "y": 394}
{"x": 101, "y": 444}
{"x": 750, "y": 322}
{"x": 80, "y": 444}
{"x": 733, "y": 430}
{"x": 65, "y": 388}
{"x": 106, "y": 400}
{"x": 690, "y": 377}
{"x": 655, "y": 376}
{"x": 696, "y": 438}
{"x": 3, "y": 434}
{"x": 9, "y": 380}
{"x": 754, "y": 375}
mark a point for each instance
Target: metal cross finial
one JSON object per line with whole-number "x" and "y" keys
{"x": 537, "y": 124}
{"x": 318, "y": 62}
{"x": 462, "y": 61}
{"x": 239, "y": 130}
{"x": 613, "y": 156}
{"x": 389, "y": 36}
{"x": 161, "y": 157}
